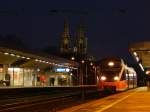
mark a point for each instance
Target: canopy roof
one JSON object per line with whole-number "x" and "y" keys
{"x": 19, "y": 58}
{"x": 141, "y": 53}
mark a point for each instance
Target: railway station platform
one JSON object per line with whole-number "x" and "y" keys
{"x": 135, "y": 100}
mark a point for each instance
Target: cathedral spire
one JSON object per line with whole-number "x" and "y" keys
{"x": 81, "y": 29}
{"x": 81, "y": 38}
{"x": 66, "y": 28}
{"x": 66, "y": 38}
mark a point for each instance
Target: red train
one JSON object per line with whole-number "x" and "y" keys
{"x": 115, "y": 75}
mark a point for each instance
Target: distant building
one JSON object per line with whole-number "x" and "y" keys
{"x": 65, "y": 46}
{"x": 81, "y": 42}
{"x": 76, "y": 48}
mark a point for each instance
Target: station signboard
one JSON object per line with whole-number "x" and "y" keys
{"x": 62, "y": 70}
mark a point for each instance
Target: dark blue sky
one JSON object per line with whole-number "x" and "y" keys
{"x": 111, "y": 24}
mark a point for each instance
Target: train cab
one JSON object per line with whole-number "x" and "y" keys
{"x": 115, "y": 75}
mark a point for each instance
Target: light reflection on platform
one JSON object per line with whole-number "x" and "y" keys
{"x": 135, "y": 100}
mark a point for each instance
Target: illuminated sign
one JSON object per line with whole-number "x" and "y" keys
{"x": 62, "y": 69}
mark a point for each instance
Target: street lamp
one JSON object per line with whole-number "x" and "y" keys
{"x": 82, "y": 81}
{"x": 95, "y": 74}
{"x": 77, "y": 77}
{"x": 82, "y": 61}
{"x": 91, "y": 63}
{"x": 72, "y": 58}
{"x": 82, "y": 72}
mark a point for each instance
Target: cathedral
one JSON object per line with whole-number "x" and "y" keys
{"x": 76, "y": 45}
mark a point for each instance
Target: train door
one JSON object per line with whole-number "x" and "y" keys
{"x": 131, "y": 79}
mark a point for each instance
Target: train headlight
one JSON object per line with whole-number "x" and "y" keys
{"x": 103, "y": 78}
{"x": 111, "y": 63}
{"x": 116, "y": 78}
{"x": 148, "y": 72}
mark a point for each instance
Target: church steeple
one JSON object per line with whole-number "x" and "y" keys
{"x": 81, "y": 38}
{"x": 66, "y": 38}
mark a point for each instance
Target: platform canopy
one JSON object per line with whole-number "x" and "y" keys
{"x": 141, "y": 53}
{"x": 20, "y": 58}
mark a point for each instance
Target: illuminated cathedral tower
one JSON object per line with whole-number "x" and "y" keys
{"x": 78, "y": 48}
{"x": 66, "y": 39}
{"x": 81, "y": 39}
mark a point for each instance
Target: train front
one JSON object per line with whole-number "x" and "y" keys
{"x": 112, "y": 76}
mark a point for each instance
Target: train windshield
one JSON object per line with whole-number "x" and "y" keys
{"x": 111, "y": 73}
{"x": 110, "y": 69}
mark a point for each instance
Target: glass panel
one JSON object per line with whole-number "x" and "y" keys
{"x": 28, "y": 77}
{"x": 16, "y": 76}
{"x": 10, "y": 71}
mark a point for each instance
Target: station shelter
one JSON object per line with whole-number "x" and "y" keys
{"x": 25, "y": 69}
{"x": 141, "y": 54}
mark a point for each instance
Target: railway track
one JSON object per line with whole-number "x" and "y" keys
{"x": 47, "y": 101}
{"x": 17, "y": 104}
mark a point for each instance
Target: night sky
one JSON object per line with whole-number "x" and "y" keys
{"x": 111, "y": 25}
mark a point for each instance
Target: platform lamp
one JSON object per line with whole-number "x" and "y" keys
{"x": 82, "y": 74}
{"x": 82, "y": 81}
